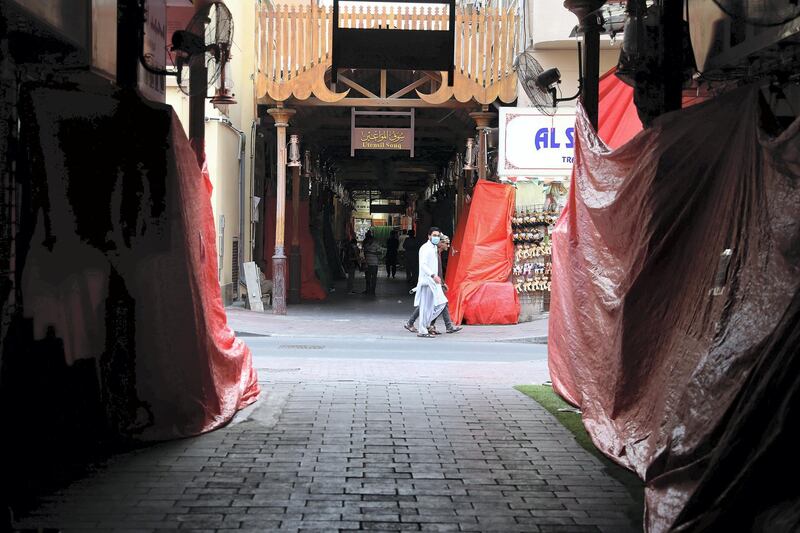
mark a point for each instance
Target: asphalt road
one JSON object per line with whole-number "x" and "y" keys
{"x": 441, "y": 348}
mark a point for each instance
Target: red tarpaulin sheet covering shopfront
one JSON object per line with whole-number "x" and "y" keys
{"x": 618, "y": 120}
{"x": 675, "y": 308}
{"x": 310, "y": 286}
{"x": 481, "y": 259}
{"x": 122, "y": 264}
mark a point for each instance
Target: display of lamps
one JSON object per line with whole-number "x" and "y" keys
{"x": 469, "y": 155}
{"x": 294, "y": 151}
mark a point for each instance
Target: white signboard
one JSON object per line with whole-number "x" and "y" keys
{"x": 535, "y": 145}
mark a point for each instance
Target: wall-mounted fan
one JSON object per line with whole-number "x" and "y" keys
{"x": 206, "y": 41}
{"x": 541, "y": 85}
{"x": 528, "y": 71}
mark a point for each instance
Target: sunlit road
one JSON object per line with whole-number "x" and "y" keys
{"x": 415, "y": 359}
{"x": 441, "y": 348}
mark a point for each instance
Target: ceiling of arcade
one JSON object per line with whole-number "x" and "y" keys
{"x": 439, "y": 130}
{"x": 295, "y": 46}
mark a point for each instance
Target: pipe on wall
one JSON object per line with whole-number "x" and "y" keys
{"x": 242, "y": 143}
{"x": 253, "y": 131}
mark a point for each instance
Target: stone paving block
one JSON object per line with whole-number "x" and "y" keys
{"x": 388, "y": 526}
{"x": 440, "y": 528}
{"x": 317, "y": 525}
{"x": 263, "y": 526}
{"x": 377, "y": 456}
{"x": 572, "y": 528}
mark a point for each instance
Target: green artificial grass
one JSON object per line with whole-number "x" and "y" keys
{"x": 552, "y": 402}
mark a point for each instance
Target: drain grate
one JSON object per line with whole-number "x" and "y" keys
{"x": 301, "y": 346}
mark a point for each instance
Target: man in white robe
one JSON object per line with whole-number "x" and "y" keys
{"x": 429, "y": 294}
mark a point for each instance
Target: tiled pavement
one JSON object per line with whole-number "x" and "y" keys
{"x": 349, "y": 456}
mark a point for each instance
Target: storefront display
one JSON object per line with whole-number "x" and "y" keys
{"x": 538, "y": 206}
{"x": 532, "y": 251}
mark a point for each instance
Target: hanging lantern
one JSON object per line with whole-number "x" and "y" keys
{"x": 485, "y": 154}
{"x": 294, "y": 151}
{"x": 469, "y": 155}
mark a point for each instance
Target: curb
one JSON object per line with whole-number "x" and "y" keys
{"x": 542, "y": 339}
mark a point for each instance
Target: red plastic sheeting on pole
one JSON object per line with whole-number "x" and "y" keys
{"x": 482, "y": 252}
{"x": 675, "y": 292}
{"x": 132, "y": 250}
{"x": 618, "y": 120}
{"x": 310, "y": 286}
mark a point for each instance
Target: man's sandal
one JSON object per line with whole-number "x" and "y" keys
{"x": 455, "y": 329}
{"x": 426, "y": 335}
{"x": 412, "y": 329}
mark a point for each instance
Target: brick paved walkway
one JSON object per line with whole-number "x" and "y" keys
{"x": 349, "y": 456}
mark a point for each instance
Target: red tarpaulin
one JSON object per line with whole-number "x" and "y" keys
{"x": 310, "y": 286}
{"x": 123, "y": 264}
{"x": 674, "y": 311}
{"x": 618, "y": 121}
{"x": 481, "y": 259}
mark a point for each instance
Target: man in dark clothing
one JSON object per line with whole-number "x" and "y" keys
{"x": 392, "y": 245}
{"x": 371, "y": 253}
{"x": 351, "y": 263}
{"x": 411, "y": 247}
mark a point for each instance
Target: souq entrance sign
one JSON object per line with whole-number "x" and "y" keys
{"x": 533, "y": 144}
{"x": 382, "y": 138}
{"x": 386, "y": 138}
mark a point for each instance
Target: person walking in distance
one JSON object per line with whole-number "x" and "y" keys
{"x": 392, "y": 246}
{"x": 371, "y": 252}
{"x": 411, "y": 248}
{"x": 402, "y": 238}
{"x": 444, "y": 246}
{"x": 351, "y": 262}
{"x": 429, "y": 295}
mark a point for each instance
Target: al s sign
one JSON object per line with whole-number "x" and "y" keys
{"x": 533, "y": 144}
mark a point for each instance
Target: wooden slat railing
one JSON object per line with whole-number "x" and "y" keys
{"x": 297, "y": 38}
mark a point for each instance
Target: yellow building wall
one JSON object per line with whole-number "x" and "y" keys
{"x": 223, "y": 143}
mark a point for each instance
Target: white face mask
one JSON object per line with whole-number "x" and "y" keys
{"x": 435, "y": 239}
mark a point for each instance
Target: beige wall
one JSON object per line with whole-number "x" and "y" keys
{"x": 567, "y": 63}
{"x": 222, "y": 143}
{"x": 548, "y": 25}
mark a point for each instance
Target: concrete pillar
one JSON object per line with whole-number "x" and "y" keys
{"x": 198, "y": 81}
{"x": 672, "y": 20}
{"x": 281, "y": 115}
{"x": 589, "y": 26}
